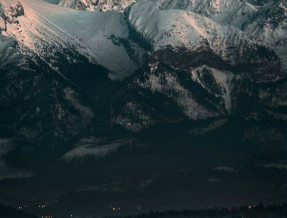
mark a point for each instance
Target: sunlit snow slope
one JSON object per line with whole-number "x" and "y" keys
{"x": 46, "y": 28}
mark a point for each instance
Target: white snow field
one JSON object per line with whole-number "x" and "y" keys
{"x": 89, "y": 33}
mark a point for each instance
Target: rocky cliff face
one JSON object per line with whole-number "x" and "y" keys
{"x": 97, "y": 5}
{"x": 9, "y": 12}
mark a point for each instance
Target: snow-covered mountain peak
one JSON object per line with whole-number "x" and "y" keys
{"x": 232, "y": 12}
{"x": 183, "y": 28}
{"x": 47, "y": 29}
{"x": 104, "y": 38}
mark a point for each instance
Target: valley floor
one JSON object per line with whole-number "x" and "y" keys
{"x": 153, "y": 174}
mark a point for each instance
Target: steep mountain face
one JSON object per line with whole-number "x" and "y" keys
{"x": 269, "y": 26}
{"x": 123, "y": 72}
{"x": 232, "y": 12}
{"x": 37, "y": 104}
{"x": 179, "y": 28}
{"x": 44, "y": 32}
{"x": 250, "y": 16}
{"x": 195, "y": 64}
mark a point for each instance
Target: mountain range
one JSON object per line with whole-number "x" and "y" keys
{"x": 143, "y": 86}
{"x": 134, "y": 65}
